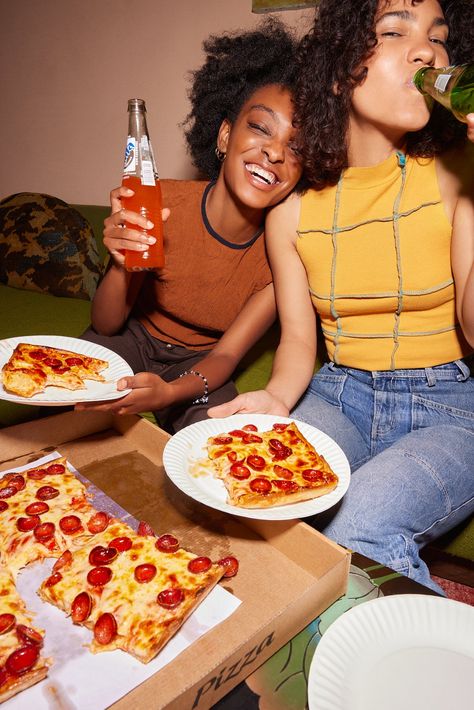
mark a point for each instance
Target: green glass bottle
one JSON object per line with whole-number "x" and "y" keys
{"x": 453, "y": 87}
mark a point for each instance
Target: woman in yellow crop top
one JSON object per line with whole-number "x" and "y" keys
{"x": 381, "y": 249}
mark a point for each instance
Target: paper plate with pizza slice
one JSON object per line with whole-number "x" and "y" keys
{"x": 55, "y": 370}
{"x": 258, "y": 466}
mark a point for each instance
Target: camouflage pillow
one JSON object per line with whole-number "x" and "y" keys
{"x": 47, "y": 246}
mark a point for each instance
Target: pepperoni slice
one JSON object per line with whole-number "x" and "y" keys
{"x": 105, "y": 629}
{"x": 221, "y": 440}
{"x": 256, "y": 462}
{"x": 232, "y": 456}
{"x": 3, "y": 676}
{"x": 28, "y": 524}
{"x": 81, "y": 607}
{"x": 102, "y": 555}
{"x": 167, "y": 543}
{"x": 63, "y": 561}
{"x": 17, "y": 481}
{"x": 283, "y": 472}
{"x": 237, "y": 432}
{"x": 170, "y": 598}
{"x": 285, "y": 485}
{"x": 44, "y": 531}
{"x": 145, "y": 573}
{"x": 275, "y": 444}
{"x": 7, "y": 622}
{"x": 47, "y": 492}
{"x": 121, "y": 544}
{"x": 37, "y": 474}
{"x": 252, "y": 439}
{"x": 230, "y": 564}
{"x": 27, "y": 635}
{"x": 145, "y": 528}
{"x": 279, "y": 426}
{"x": 53, "y": 579}
{"x": 61, "y": 369}
{"x": 56, "y": 468}
{"x": 70, "y": 524}
{"x": 38, "y": 354}
{"x": 312, "y": 475}
{"x": 22, "y": 659}
{"x": 52, "y": 362}
{"x": 98, "y": 522}
{"x": 199, "y": 564}
{"x": 38, "y": 507}
{"x": 71, "y": 361}
{"x": 8, "y": 491}
{"x": 260, "y": 485}
{"x": 281, "y": 454}
{"x": 98, "y": 576}
{"x": 249, "y": 427}
{"x": 239, "y": 471}
{"x": 3, "y": 505}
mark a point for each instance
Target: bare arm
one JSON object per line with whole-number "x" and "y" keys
{"x": 462, "y": 249}
{"x": 295, "y": 356}
{"x": 149, "y": 391}
{"x": 118, "y": 289}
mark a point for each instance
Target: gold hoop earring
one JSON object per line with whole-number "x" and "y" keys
{"x": 219, "y": 154}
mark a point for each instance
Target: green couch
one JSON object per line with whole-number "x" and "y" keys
{"x": 25, "y": 312}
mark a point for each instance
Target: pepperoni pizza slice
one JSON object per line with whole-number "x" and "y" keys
{"x": 21, "y": 662}
{"x": 269, "y": 468}
{"x": 44, "y": 510}
{"x": 31, "y": 368}
{"x": 133, "y": 590}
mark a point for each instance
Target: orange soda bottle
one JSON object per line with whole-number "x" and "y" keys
{"x": 140, "y": 175}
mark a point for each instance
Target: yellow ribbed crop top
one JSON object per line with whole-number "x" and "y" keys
{"x": 376, "y": 249}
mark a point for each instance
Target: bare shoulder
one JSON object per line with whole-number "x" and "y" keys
{"x": 283, "y": 218}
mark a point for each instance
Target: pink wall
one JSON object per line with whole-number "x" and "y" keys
{"x": 68, "y": 68}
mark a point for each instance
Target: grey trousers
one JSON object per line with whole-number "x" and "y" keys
{"x": 144, "y": 353}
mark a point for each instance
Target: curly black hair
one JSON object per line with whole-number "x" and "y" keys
{"x": 333, "y": 54}
{"x": 236, "y": 65}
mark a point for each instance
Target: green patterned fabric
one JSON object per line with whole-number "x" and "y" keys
{"x": 47, "y": 246}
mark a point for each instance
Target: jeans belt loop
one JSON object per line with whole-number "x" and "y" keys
{"x": 464, "y": 371}
{"x": 430, "y": 376}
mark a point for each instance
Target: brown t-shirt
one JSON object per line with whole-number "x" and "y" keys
{"x": 206, "y": 280}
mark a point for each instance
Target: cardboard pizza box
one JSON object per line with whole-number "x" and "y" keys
{"x": 289, "y": 573}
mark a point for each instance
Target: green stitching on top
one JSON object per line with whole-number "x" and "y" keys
{"x": 375, "y": 220}
{"x": 333, "y": 267}
{"x": 396, "y": 236}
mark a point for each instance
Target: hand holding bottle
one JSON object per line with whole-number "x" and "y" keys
{"x": 117, "y": 236}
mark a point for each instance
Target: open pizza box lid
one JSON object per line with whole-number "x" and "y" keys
{"x": 289, "y": 573}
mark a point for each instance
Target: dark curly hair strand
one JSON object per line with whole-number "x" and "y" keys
{"x": 236, "y": 65}
{"x": 332, "y": 55}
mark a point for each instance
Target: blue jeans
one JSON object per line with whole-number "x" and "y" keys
{"x": 409, "y": 437}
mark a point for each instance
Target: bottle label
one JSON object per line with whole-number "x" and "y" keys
{"x": 441, "y": 82}
{"x": 147, "y": 175}
{"x": 130, "y": 161}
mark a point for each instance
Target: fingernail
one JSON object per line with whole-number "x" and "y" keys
{"x": 149, "y": 225}
{"x": 151, "y": 240}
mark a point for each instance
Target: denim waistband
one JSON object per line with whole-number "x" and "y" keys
{"x": 458, "y": 370}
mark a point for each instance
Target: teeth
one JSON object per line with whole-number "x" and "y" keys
{"x": 257, "y": 171}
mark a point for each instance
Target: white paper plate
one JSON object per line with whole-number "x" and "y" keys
{"x": 57, "y": 396}
{"x": 410, "y": 651}
{"x": 188, "y": 445}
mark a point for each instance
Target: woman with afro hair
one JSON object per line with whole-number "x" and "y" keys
{"x": 381, "y": 251}
{"x": 184, "y": 328}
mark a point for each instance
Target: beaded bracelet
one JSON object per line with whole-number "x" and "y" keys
{"x": 205, "y": 398}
